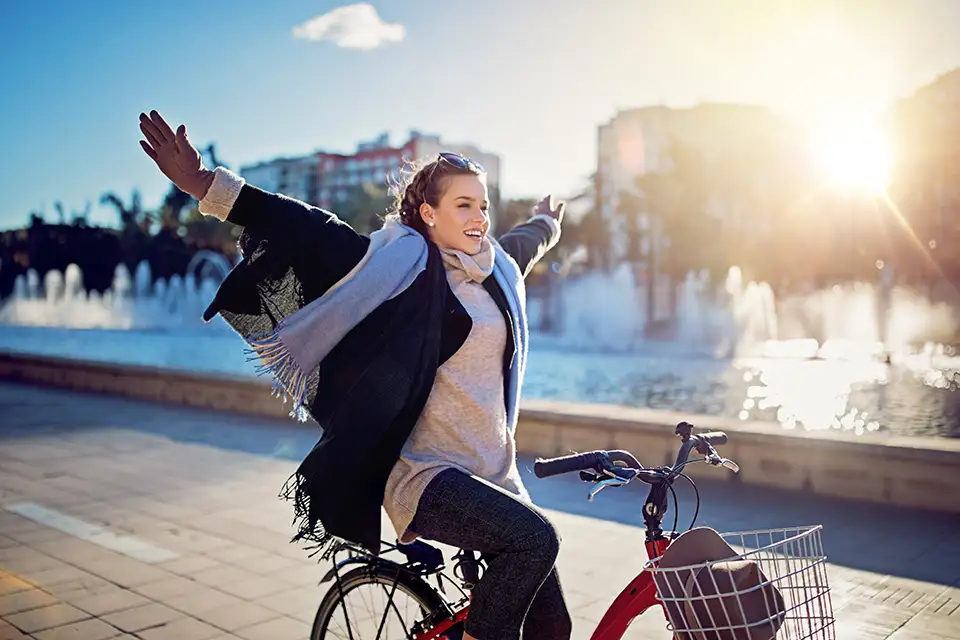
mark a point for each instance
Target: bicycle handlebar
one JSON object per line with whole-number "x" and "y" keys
{"x": 716, "y": 438}
{"x": 583, "y": 462}
{"x": 601, "y": 460}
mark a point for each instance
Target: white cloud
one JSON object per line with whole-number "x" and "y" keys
{"x": 354, "y": 26}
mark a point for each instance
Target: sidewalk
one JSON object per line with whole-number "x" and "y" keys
{"x": 190, "y": 540}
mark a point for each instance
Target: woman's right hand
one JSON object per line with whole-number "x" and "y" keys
{"x": 177, "y": 158}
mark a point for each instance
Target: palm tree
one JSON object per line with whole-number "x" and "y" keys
{"x": 130, "y": 217}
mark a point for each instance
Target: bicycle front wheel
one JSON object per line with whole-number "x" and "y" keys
{"x": 376, "y": 603}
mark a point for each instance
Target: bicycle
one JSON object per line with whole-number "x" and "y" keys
{"x": 792, "y": 556}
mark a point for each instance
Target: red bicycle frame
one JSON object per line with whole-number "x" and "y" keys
{"x": 640, "y": 595}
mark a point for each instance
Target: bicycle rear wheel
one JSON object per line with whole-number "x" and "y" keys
{"x": 375, "y": 602}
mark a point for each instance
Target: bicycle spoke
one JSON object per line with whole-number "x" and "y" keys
{"x": 372, "y": 615}
{"x": 393, "y": 604}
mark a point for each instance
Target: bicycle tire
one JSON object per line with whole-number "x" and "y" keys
{"x": 428, "y": 599}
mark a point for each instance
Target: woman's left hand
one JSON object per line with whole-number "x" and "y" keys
{"x": 549, "y": 208}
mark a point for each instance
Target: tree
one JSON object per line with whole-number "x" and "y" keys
{"x": 511, "y": 213}
{"x": 364, "y": 206}
{"x": 132, "y": 217}
{"x": 134, "y": 227}
{"x": 81, "y": 219}
{"x": 676, "y": 200}
{"x": 590, "y": 231}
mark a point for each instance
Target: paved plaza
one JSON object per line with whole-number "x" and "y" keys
{"x": 124, "y": 519}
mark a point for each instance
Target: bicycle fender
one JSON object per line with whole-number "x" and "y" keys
{"x": 379, "y": 562}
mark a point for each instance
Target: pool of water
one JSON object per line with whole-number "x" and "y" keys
{"x": 916, "y": 395}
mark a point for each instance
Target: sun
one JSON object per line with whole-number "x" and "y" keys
{"x": 854, "y": 155}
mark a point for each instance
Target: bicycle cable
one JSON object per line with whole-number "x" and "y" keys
{"x": 676, "y": 507}
{"x": 696, "y": 492}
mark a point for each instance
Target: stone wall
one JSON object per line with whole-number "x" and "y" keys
{"x": 910, "y": 472}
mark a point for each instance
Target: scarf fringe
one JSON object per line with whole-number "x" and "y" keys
{"x": 290, "y": 381}
{"x": 309, "y": 530}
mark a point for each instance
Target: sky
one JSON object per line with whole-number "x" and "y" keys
{"x": 530, "y": 80}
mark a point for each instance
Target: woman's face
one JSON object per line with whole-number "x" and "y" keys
{"x": 460, "y": 220}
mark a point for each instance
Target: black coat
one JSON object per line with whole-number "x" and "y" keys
{"x": 377, "y": 379}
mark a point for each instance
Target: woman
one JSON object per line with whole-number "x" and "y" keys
{"x": 408, "y": 347}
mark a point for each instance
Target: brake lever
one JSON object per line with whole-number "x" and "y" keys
{"x": 730, "y": 464}
{"x": 715, "y": 460}
{"x": 603, "y": 484}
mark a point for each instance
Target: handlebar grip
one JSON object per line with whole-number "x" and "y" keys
{"x": 714, "y": 437}
{"x": 567, "y": 464}
{"x": 619, "y": 455}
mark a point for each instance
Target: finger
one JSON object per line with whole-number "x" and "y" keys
{"x": 150, "y": 131}
{"x": 162, "y": 125}
{"x": 182, "y": 141}
{"x": 150, "y": 137}
{"x": 540, "y": 206}
{"x": 561, "y": 207}
{"x": 149, "y": 151}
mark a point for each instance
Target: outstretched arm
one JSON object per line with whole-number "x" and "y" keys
{"x": 226, "y": 196}
{"x": 528, "y": 242}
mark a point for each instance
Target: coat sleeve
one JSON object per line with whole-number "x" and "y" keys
{"x": 528, "y": 242}
{"x": 306, "y": 230}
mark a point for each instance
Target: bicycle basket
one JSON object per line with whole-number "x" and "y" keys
{"x": 756, "y": 585}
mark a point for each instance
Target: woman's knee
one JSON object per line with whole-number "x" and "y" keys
{"x": 542, "y": 538}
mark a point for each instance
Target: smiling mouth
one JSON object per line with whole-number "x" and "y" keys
{"x": 476, "y": 235}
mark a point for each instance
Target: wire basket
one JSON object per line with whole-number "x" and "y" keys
{"x": 758, "y": 585}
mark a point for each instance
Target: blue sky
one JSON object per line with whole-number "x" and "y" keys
{"x": 528, "y": 79}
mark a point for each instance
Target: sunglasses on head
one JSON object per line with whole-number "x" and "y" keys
{"x": 456, "y": 160}
{"x": 459, "y": 161}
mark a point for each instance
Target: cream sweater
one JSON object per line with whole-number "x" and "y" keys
{"x": 464, "y": 423}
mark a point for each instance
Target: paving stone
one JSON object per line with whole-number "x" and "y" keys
{"x": 168, "y": 588}
{"x": 267, "y": 563}
{"x": 85, "y": 630}
{"x": 54, "y": 615}
{"x": 24, "y": 601}
{"x": 109, "y": 602}
{"x": 299, "y": 603}
{"x": 276, "y": 629}
{"x": 181, "y": 629}
{"x": 11, "y": 584}
{"x": 237, "y": 616}
{"x": 9, "y": 632}
{"x": 190, "y": 565}
{"x": 142, "y": 617}
{"x": 202, "y": 600}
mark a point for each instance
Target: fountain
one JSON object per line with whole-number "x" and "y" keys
{"x": 136, "y": 302}
{"x": 607, "y": 312}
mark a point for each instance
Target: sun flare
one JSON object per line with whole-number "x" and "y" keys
{"x": 854, "y": 155}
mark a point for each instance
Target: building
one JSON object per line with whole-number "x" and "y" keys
{"x": 295, "y": 177}
{"x": 323, "y": 177}
{"x": 732, "y": 136}
{"x": 924, "y": 129}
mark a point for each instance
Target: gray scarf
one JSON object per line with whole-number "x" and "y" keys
{"x": 393, "y": 260}
{"x": 476, "y": 267}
